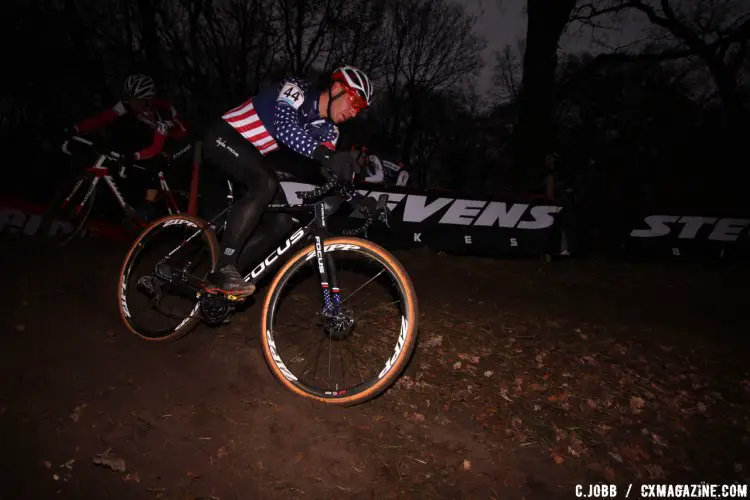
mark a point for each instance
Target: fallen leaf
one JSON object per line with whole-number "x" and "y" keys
{"x": 467, "y": 464}
{"x": 469, "y": 357}
{"x": 563, "y": 396}
{"x": 131, "y": 476}
{"x": 114, "y": 462}
{"x": 637, "y": 404}
{"x": 488, "y": 373}
{"x": 457, "y": 365}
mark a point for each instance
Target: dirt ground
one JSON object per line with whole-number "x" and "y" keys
{"x": 528, "y": 378}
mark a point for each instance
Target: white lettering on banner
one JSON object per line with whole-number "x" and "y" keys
{"x": 514, "y": 242}
{"x": 728, "y": 229}
{"x": 467, "y": 239}
{"x": 462, "y": 212}
{"x": 291, "y": 188}
{"x": 393, "y": 198}
{"x": 13, "y": 220}
{"x": 724, "y": 229}
{"x": 497, "y": 211}
{"x": 418, "y": 237}
{"x": 416, "y": 210}
{"x": 542, "y": 215}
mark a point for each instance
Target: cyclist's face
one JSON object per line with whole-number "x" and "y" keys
{"x": 346, "y": 106}
{"x": 140, "y": 105}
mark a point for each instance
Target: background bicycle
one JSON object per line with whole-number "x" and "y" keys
{"x": 72, "y": 205}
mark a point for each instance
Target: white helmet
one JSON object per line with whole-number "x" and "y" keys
{"x": 140, "y": 87}
{"x": 354, "y": 79}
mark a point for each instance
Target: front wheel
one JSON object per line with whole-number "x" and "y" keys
{"x": 65, "y": 217}
{"x": 343, "y": 342}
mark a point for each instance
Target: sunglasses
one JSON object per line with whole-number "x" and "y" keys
{"x": 355, "y": 99}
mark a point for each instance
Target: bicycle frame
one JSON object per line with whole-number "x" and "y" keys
{"x": 102, "y": 172}
{"x": 316, "y": 231}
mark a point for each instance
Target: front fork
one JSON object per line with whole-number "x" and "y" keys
{"x": 328, "y": 280}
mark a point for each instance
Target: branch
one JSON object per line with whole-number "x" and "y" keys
{"x": 603, "y": 60}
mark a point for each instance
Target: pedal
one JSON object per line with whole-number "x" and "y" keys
{"x": 164, "y": 272}
{"x": 148, "y": 285}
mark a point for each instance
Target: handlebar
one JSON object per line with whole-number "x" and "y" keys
{"x": 347, "y": 191}
{"x": 112, "y": 155}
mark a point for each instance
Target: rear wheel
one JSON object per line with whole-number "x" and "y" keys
{"x": 353, "y": 348}
{"x": 149, "y": 307}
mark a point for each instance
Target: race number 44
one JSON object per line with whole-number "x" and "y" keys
{"x": 292, "y": 95}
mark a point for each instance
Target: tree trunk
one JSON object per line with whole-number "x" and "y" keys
{"x": 150, "y": 37}
{"x": 535, "y": 130}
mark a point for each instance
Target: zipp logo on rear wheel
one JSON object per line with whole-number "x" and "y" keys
{"x": 123, "y": 299}
{"x": 175, "y": 222}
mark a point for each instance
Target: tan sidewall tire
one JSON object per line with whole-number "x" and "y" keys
{"x": 412, "y": 314}
{"x": 193, "y": 322}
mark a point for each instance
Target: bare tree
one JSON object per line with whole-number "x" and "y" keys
{"x": 430, "y": 47}
{"x": 715, "y": 31}
{"x": 508, "y": 72}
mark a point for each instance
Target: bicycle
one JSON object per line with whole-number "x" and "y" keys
{"x": 55, "y": 223}
{"x": 321, "y": 255}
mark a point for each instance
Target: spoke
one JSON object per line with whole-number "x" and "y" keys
{"x": 354, "y": 357}
{"x": 377, "y": 307}
{"x": 360, "y": 288}
{"x": 343, "y": 370}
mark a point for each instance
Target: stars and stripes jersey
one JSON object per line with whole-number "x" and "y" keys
{"x": 285, "y": 113}
{"x": 162, "y": 118}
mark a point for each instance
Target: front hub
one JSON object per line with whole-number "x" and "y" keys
{"x": 339, "y": 326}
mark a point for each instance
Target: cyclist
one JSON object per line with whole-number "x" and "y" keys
{"x": 155, "y": 118}
{"x": 292, "y": 114}
{"x": 380, "y": 171}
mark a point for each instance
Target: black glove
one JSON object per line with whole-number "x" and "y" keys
{"x": 341, "y": 163}
{"x": 369, "y": 204}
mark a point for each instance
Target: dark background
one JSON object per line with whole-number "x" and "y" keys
{"x": 654, "y": 126}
